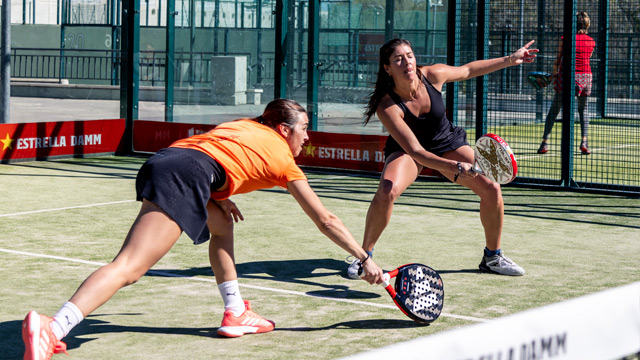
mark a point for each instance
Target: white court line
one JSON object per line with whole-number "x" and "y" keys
{"x": 66, "y": 208}
{"x": 329, "y": 178}
{"x": 282, "y": 291}
{"x": 115, "y": 202}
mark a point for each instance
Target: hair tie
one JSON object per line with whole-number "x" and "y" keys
{"x": 260, "y": 119}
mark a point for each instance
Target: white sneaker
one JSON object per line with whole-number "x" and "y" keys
{"x": 500, "y": 264}
{"x": 353, "y": 271}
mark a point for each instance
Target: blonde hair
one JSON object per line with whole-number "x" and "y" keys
{"x": 583, "y": 23}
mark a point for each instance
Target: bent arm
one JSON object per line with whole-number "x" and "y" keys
{"x": 391, "y": 117}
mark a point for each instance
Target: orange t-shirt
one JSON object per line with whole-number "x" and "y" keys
{"x": 253, "y": 155}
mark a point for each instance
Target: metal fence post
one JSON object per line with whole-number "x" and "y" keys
{"x": 313, "y": 58}
{"x": 129, "y": 85}
{"x": 169, "y": 66}
{"x": 281, "y": 55}
{"x": 568, "y": 91}
{"x": 453, "y": 56}
{"x": 603, "y": 54}
{"x": 540, "y": 65}
{"x": 388, "y": 23}
{"x": 482, "y": 82}
{"x": 5, "y": 62}
{"x": 63, "y": 22}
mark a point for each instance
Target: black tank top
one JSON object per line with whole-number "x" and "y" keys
{"x": 434, "y": 130}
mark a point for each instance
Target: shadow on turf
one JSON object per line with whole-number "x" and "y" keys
{"x": 11, "y": 339}
{"x": 13, "y": 347}
{"x": 91, "y": 326}
{"x": 461, "y": 271}
{"x": 361, "y": 324}
{"x": 301, "y": 272}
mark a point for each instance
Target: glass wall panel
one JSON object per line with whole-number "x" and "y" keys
{"x": 351, "y": 34}
{"x": 223, "y": 61}
{"x": 65, "y": 61}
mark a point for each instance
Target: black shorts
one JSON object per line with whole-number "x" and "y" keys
{"x": 180, "y": 182}
{"x": 456, "y": 139}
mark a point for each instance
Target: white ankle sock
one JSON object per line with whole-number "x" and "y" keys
{"x": 66, "y": 319}
{"x": 230, "y": 292}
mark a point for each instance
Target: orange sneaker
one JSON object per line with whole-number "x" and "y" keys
{"x": 40, "y": 343}
{"x": 247, "y": 323}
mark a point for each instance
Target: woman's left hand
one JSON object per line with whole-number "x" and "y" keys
{"x": 230, "y": 210}
{"x": 523, "y": 55}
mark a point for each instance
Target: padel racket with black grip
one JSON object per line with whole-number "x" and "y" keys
{"x": 418, "y": 291}
{"x": 494, "y": 159}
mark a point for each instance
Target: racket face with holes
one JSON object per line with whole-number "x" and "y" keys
{"x": 495, "y": 158}
{"x": 420, "y": 292}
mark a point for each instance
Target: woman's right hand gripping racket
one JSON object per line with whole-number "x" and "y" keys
{"x": 494, "y": 159}
{"x": 418, "y": 291}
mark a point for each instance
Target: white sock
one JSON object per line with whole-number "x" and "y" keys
{"x": 66, "y": 319}
{"x": 230, "y": 292}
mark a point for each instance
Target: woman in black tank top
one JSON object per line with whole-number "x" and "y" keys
{"x": 408, "y": 101}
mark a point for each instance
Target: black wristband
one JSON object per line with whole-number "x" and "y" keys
{"x": 365, "y": 260}
{"x": 455, "y": 178}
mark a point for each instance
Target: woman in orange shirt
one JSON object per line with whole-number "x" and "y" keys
{"x": 186, "y": 187}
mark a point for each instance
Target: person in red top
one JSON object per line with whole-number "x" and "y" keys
{"x": 186, "y": 187}
{"x": 583, "y": 79}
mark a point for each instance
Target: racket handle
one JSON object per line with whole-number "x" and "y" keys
{"x": 387, "y": 285}
{"x": 476, "y": 169}
{"x": 385, "y": 280}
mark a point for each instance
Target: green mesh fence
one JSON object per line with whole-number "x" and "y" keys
{"x": 350, "y": 34}
{"x": 515, "y": 110}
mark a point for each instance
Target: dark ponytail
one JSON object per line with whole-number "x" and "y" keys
{"x": 384, "y": 82}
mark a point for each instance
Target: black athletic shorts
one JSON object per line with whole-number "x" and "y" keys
{"x": 180, "y": 182}
{"x": 456, "y": 139}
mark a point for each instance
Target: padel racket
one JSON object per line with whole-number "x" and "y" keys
{"x": 494, "y": 159}
{"x": 418, "y": 291}
{"x": 538, "y": 79}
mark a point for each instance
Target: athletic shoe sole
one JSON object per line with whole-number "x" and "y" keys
{"x": 237, "y": 331}
{"x": 31, "y": 335}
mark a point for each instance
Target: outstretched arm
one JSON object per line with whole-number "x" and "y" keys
{"x": 440, "y": 74}
{"x": 331, "y": 226}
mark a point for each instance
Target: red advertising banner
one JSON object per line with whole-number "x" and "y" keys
{"x": 343, "y": 151}
{"x": 27, "y": 141}
{"x": 346, "y": 151}
{"x": 151, "y": 136}
{"x": 369, "y": 46}
{"x": 327, "y": 150}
